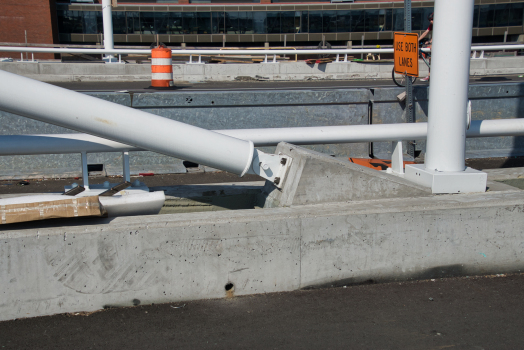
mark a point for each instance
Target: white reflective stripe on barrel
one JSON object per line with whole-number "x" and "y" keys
{"x": 161, "y": 61}
{"x": 162, "y": 76}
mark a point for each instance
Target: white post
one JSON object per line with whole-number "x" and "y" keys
{"x": 448, "y": 100}
{"x": 108, "y": 28}
{"x": 85, "y": 172}
{"x": 125, "y": 165}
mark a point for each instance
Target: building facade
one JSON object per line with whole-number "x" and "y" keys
{"x": 209, "y": 23}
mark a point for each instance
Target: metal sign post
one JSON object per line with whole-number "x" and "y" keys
{"x": 410, "y": 111}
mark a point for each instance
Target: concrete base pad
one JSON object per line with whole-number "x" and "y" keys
{"x": 317, "y": 178}
{"x": 467, "y": 181}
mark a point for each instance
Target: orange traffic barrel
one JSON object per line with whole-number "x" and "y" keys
{"x": 161, "y": 67}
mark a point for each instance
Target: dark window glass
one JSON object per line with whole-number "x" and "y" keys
{"x": 189, "y": 24}
{"x": 329, "y": 22}
{"x": 161, "y": 22}
{"x": 304, "y": 22}
{"x": 119, "y": 22}
{"x": 287, "y": 21}
{"x": 398, "y": 20}
{"x": 218, "y": 22}
{"x": 147, "y": 22}
{"x": 476, "y": 16}
{"x": 486, "y": 14}
{"x": 174, "y": 23}
{"x": 133, "y": 23}
{"x": 232, "y": 23}
{"x": 259, "y": 22}
{"x": 70, "y": 21}
{"x": 516, "y": 15}
{"x": 388, "y": 17}
{"x": 273, "y": 22}
{"x": 93, "y": 22}
{"x": 417, "y": 19}
{"x": 245, "y": 22}
{"x": 343, "y": 21}
{"x": 372, "y": 20}
{"x": 358, "y": 21}
{"x": 315, "y": 21}
{"x": 203, "y": 22}
{"x": 501, "y": 18}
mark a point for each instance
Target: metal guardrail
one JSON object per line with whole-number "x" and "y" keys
{"x": 265, "y": 52}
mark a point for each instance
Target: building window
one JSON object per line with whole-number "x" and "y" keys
{"x": 273, "y": 23}
{"x": 516, "y": 15}
{"x": 218, "y": 22}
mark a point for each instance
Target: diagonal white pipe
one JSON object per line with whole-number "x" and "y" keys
{"x": 76, "y": 111}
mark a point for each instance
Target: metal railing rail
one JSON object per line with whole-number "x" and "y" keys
{"x": 313, "y": 135}
{"x": 265, "y": 52}
{"x": 84, "y": 143}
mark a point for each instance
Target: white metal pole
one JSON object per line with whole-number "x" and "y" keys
{"x": 115, "y": 122}
{"x": 108, "y": 27}
{"x": 448, "y": 95}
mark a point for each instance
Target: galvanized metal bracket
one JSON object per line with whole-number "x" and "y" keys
{"x": 272, "y": 167}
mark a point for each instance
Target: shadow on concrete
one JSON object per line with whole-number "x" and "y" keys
{"x": 437, "y": 272}
{"x": 484, "y": 79}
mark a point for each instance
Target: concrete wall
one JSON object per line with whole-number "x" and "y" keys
{"x": 87, "y": 264}
{"x": 64, "y": 72}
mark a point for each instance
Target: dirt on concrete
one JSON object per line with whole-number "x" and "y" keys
{"x": 57, "y": 185}
{"x": 454, "y": 313}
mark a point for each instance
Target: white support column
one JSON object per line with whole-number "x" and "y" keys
{"x": 108, "y": 29}
{"x": 85, "y": 173}
{"x": 445, "y": 170}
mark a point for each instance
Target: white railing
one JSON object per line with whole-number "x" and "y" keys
{"x": 264, "y": 52}
{"x": 84, "y": 143}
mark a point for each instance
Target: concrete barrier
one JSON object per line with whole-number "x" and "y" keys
{"x": 67, "y": 72}
{"x": 316, "y": 178}
{"x": 88, "y": 265}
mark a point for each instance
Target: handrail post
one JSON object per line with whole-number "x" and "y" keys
{"x": 85, "y": 172}
{"x": 126, "y": 168}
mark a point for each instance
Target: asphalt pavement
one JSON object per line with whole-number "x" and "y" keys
{"x": 453, "y": 313}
